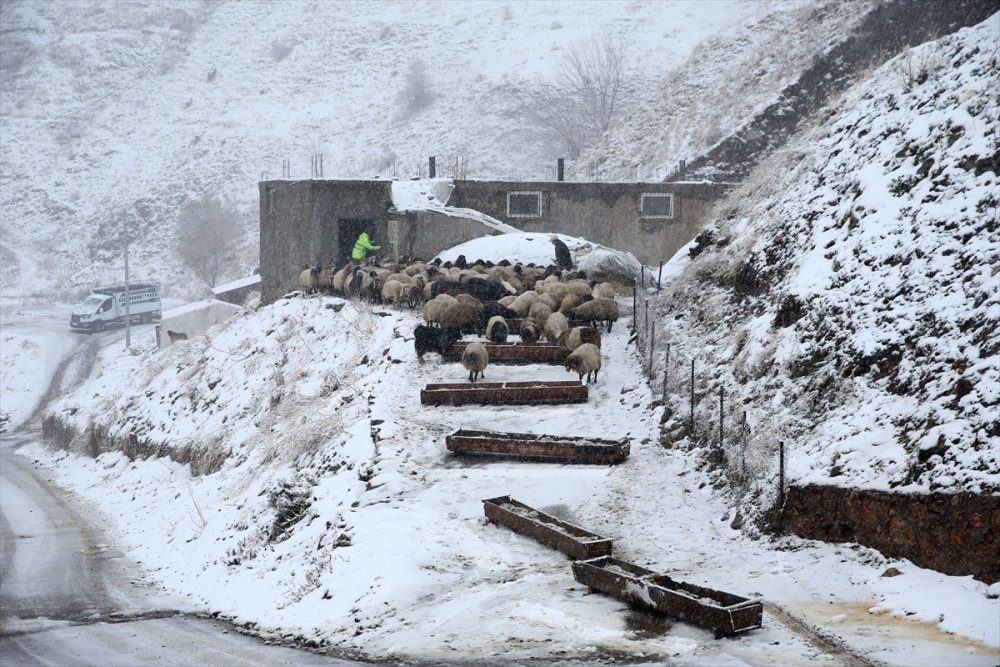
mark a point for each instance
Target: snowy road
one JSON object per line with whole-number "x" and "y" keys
{"x": 67, "y": 596}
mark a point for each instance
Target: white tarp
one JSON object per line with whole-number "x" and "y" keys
{"x": 193, "y": 318}
{"x": 432, "y": 194}
{"x": 236, "y": 284}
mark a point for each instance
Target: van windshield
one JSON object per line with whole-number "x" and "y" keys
{"x": 93, "y": 302}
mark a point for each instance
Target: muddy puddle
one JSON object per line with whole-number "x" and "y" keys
{"x": 854, "y": 618}
{"x": 646, "y": 625}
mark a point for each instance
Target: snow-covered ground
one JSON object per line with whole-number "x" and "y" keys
{"x": 313, "y": 407}
{"x": 847, "y": 301}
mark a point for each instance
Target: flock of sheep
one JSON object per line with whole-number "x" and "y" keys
{"x": 489, "y": 300}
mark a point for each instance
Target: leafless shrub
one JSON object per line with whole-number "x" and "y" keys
{"x": 280, "y": 50}
{"x": 289, "y": 499}
{"x": 206, "y": 232}
{"x": 585, "y": 97}
{"x": 416, "y": 94}
{"x": 551, "y": 110}
{"x": 596, "y": 74}
{"x": 916, "y": 68}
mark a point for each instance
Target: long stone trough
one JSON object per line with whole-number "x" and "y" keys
{"x": 551, "y": 531}
{"x": 531, "y": 447}
{"x": 536, "y": 392}
{"x": 723, "y": 613}
{"x": 514, "y": 353}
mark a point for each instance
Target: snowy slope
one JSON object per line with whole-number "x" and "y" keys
{"x": 338, "y": 519}
{"x": 117, "y": 113}
{"x": 846, "y": 300}
{"x": 849, "y": 298}
{"x": 726, "y": 81}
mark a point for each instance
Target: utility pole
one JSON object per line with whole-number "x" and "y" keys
{"x": 128, "y": 314}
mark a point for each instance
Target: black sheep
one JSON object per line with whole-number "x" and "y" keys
{"x": 492, "y": 308}
{"x": 485, "y": 289}
{"x": 431, "y": 339}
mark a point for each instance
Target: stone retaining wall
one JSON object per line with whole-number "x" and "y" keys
{"x": 951, "y": 533}
{"x": 95, "y": 441}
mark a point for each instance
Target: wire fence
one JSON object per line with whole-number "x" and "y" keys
{"x": 702, "y": 401}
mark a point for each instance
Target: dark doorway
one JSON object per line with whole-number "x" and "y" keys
{"x": 348, "y": 232}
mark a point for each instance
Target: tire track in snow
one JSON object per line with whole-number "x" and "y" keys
{"x": 828, "y": 644}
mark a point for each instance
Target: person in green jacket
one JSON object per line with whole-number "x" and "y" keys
{"x": 362, "y": 246}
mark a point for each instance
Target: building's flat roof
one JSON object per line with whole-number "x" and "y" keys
{"x": 237, "y": 284}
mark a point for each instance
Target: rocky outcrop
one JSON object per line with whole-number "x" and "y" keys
{"x": 951, "y": 533}
{"x": 888, "y": 29}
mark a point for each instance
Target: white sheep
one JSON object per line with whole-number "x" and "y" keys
{"x": 475, "y": 359}
{"x": 598, "y": 310}
{"x": 497, "y": 329}
{"x": 391, "y": 292}
{"x": 309, "y": 279}
{"x": 529, "y": 331}
{"x": 539, "y": 312}
{"x": 555, "y": 325}
{"x": 603, "y": 291}
{"x": 577, "y": 336}
{"x": 585, "y": 360}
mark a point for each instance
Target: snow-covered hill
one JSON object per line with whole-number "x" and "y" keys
{"x": 848, "y": 300}
{"x": 116, "y": 113}
{"x": 329, "y": 511}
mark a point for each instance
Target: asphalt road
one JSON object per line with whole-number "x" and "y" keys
{"x": 68, "y": 597}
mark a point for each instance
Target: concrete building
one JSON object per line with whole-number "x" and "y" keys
{"x": 316, "y": 222}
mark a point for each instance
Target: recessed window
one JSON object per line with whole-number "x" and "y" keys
{"x": 656, "y": 205}
{"x": 524, "y": 204}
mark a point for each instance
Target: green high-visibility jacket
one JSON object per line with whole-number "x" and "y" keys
{"x": 362, "y": 246}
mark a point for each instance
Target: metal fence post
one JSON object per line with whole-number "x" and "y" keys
{"x": 652, "y": 344}
{"x": 781, "y": 479}
{"x": 635, "y": 324}
{"x": 646, "y": 318}
{"x": 721, "y": 392}
{"x": 743, "y": 446}
{"x": 692, "y": 398}
{"x": 666, "y": 368}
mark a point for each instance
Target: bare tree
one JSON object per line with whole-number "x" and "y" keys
{"x": 586, "y": 96}
{"x": 206, "y": 232}
{"x": 552, "y": 110}
{"x": 597, "y": 77}
{"x": 417, "y": 93}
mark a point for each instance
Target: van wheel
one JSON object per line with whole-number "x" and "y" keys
{"x": 99, "y": 326}
{"x": 146, "y": 318}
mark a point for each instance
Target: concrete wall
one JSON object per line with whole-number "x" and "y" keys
{"x": 424, "y": 235}
{"x": 951, "y": 533}
{"x": 301, "y": 221}
{"x": 606, "y": 213}
{"x": 299, "y": 225}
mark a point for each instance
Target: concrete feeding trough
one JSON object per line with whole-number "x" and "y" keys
{"x": 514, "y": 353}
{"x": 535, "y": 392}
{"x": 723, "y": 613}
{"x": 528, "y": 446}
{"x": 572, "y": 540}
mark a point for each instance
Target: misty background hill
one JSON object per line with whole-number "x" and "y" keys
{"x": 119, "y": 113}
